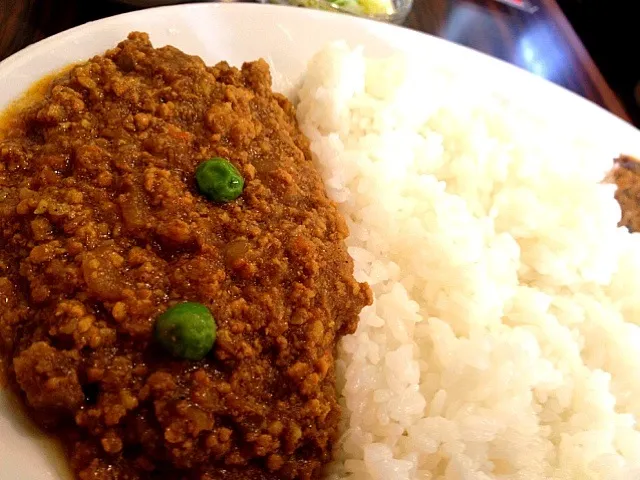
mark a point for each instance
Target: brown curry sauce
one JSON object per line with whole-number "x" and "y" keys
{"x": 626, "y": 175}
{"x": 102, "y": 228}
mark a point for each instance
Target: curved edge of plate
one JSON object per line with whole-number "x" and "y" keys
{"x": 382, "y": 38}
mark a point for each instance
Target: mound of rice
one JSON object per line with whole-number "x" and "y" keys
{"x": 504, "y": 340}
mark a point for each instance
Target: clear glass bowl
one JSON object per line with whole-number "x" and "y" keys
{"x": 393, "y": 11}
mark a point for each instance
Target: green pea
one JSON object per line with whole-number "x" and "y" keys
{"x": 186, "y": 330}
{"x": 219, "y": 180}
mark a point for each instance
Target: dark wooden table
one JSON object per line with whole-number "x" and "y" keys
{"x": 542, "y": 42}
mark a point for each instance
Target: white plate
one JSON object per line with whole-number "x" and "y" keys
{"x": 286, "y": 37}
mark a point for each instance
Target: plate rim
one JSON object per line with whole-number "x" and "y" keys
{"x": 68, "y": 34}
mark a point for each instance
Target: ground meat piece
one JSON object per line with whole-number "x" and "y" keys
{"x": 49, "y": 377}
{"x": 626, "y": 175}
{"x": 102, "y": 229}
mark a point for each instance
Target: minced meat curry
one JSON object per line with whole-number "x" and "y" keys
{"x": 103, "y": 230}
{"x": 626, "y": 175}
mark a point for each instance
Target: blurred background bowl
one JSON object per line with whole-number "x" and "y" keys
{"x": 393, "y": 11}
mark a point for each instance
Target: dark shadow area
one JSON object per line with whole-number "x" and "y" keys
{"x": 608, "y": 29}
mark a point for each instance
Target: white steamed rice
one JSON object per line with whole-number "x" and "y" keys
{"x": 504, "y": 339}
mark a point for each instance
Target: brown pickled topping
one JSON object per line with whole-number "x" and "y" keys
{"x": 626, "y": 175}
{"x": 102, "y": 229}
